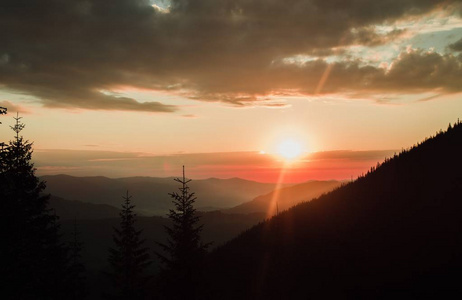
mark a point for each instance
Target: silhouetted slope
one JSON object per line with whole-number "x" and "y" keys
{"x": 151, "y": 194}
{"x": 285, "y": 198}
{"x": 394, "y": 232}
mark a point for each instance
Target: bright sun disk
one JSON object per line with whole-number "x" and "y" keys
{"x": 290, "y": 149}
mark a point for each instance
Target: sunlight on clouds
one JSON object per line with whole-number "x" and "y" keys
{"x": 162, "y": 6}
{"x": 147, "y": 95}
{"x": 414, "y": 32}
{"x": 434, "y": 22}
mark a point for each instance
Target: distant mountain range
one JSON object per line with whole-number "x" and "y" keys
{"x": 150, "y": 195}
{"x": 284, "y": 198}
{"x": 393, "y": 233}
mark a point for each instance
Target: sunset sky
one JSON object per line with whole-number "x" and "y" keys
{"x": 131, "y": 87}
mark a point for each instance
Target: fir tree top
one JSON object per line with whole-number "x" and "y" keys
{"x": 183, "y": 253}
{"x": 129, "y": 258}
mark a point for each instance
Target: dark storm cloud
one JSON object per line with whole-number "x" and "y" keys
{"x": 67, "y": 53}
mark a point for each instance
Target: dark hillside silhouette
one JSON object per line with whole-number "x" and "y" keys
{"x": 395, "y": 232}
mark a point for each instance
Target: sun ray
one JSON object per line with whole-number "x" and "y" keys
{"x": 272, "y": 209}
{"x": 323, "y": 79}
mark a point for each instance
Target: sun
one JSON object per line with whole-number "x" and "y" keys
{"x": 289, "y": 149}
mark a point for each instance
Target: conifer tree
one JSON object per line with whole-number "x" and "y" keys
{"x": 185, "y": 252}
{"x": 129, "y": 259}
{"x": 3, "y": 111}
{"x": 76, "y": 267}
{"x": 33, "y": 259}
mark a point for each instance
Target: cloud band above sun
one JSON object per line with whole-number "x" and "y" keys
{"x": 65, "y": 53}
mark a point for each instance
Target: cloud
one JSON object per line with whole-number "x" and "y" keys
{"x": 13, "y": 108}
{"x": 412, "y": 71}
{"x": 66, "y": 52}
{"x": 457, "y": 46}
{"x": 99, "y": 101}
{"x": 423, "y": 70}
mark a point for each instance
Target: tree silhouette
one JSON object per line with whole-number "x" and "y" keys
{"x": 129, "y": 259}
{"x": 76, "y": 267}
{"x": 185, "y": 252}
{"x": 33, "y": 259}
{"x": 3, "y": 111}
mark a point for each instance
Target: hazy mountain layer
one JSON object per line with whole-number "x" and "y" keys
{"x": 151, "y": 194}
{"x": 73, "y": 209}
{"x": 284, "y": 198}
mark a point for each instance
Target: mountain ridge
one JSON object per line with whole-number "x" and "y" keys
{"x": 151, "y": 193}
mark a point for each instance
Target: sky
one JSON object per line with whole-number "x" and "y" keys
{"x": 137, "y": 87}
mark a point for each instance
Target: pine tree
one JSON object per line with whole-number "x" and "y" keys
{"x": 3, "y": 111}
{"x": 185, "y": 252}
{"x": 129, "y": 259}
{"x": 76, "y": 267}
{"x": 33, "y": 259}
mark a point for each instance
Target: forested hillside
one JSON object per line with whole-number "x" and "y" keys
{"x": 393, "y": 232}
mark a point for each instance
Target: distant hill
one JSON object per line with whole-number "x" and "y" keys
{"x": 151, "y": 194}
{"x": 285, "y": 198}
{"x": 72, "y": 209}
{"x": 393, "y": 233}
